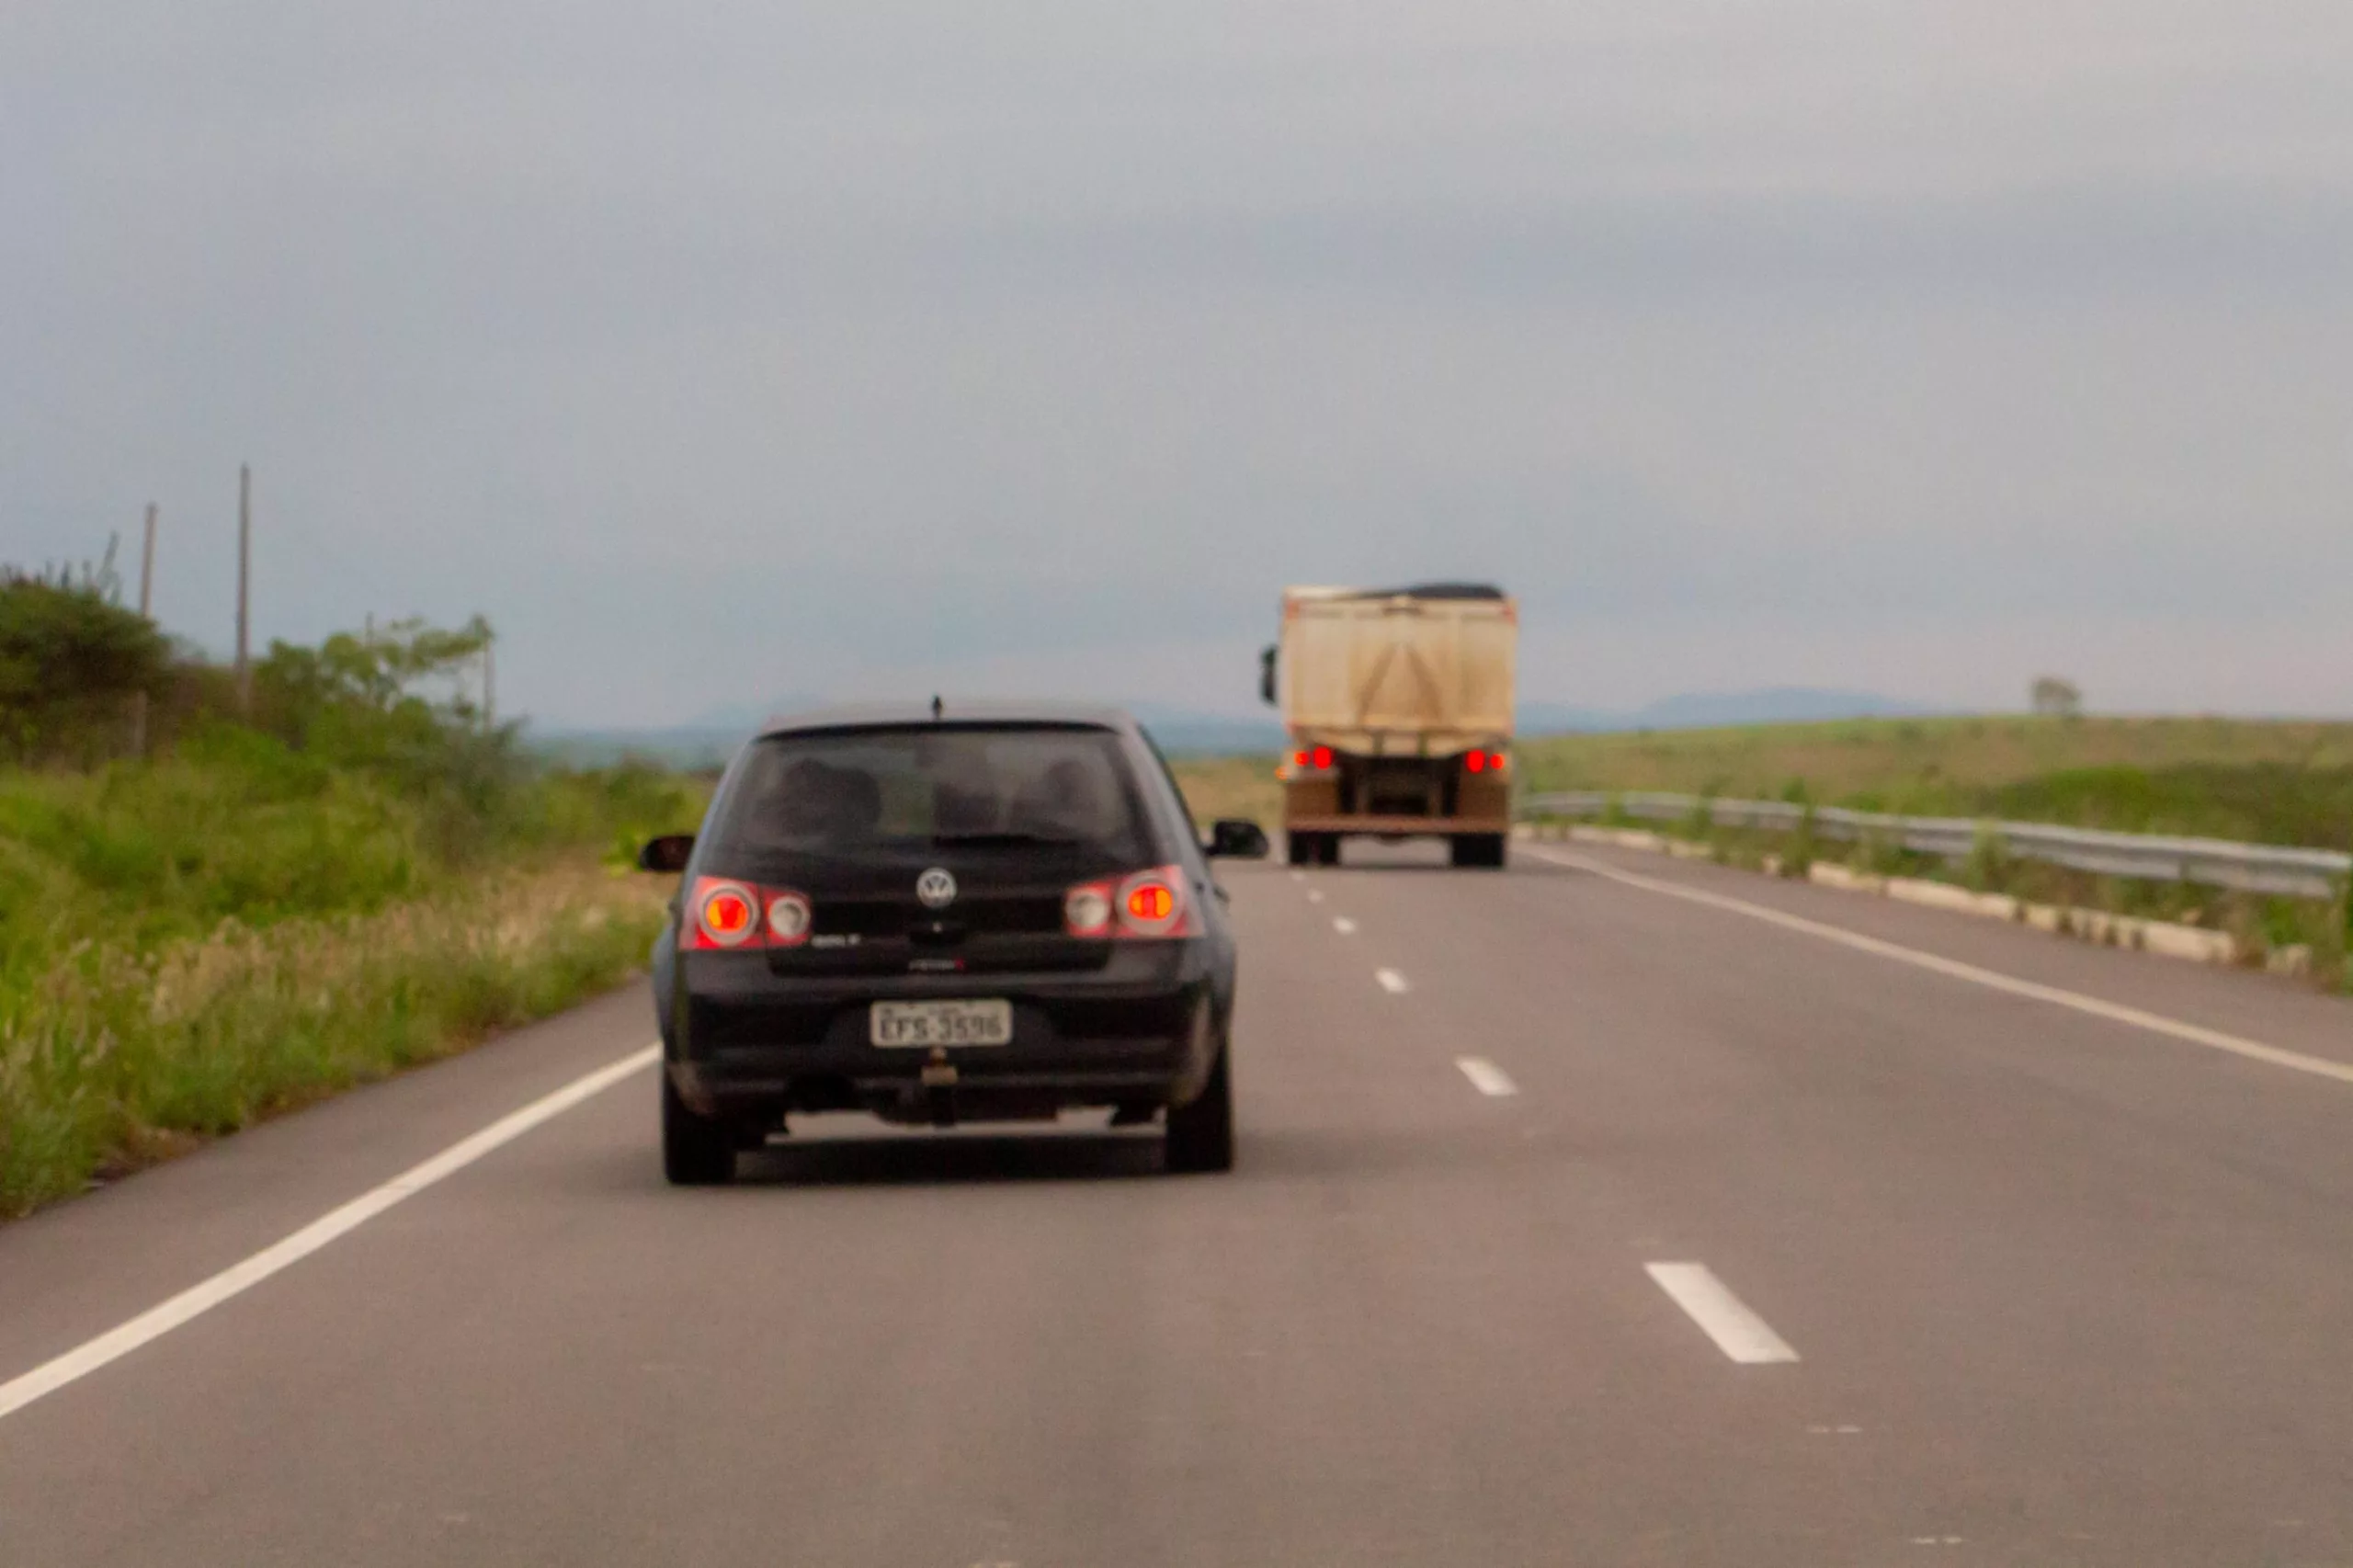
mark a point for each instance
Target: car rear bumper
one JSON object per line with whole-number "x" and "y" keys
{"x": 1140, "y": 1031}
{"x": 1388, "y": 825}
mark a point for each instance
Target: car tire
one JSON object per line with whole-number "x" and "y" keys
{"x": 1200, "y": 1135}
{"x": 696, "y": 1151}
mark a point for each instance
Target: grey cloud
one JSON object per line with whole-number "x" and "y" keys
{"x": 715, "y": 347}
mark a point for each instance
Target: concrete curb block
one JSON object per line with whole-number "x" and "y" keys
{"x": 2192, "y": 944}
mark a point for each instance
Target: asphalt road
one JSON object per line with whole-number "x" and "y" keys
{"x": 1575, "y": 1222}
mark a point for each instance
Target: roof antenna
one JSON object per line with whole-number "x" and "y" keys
{"x": 936, "y": 706}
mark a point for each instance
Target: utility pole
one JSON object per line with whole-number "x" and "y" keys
{"x": 245, "y": 583}
{"x": 147, "y": 569}
{"x": 146, "y": 612}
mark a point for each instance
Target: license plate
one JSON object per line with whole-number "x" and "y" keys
{"x": 920, "y": 1024}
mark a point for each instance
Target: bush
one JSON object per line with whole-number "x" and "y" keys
{"x": 70, "y": 661}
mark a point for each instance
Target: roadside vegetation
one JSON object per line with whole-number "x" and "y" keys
{"x": 351, "y": 874}
{"x": 2286, "y": 783}
{"x": 1231, "y": 786}
{"x": 2261, "y": 781}
{"x": 2264, "y": 782}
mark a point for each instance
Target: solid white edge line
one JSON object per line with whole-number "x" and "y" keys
{"x": 1723, "y": 1317}
{"x": 1391, "y": 981}
{"x": 1485, "y": 1076}
{"x": 237, "y": 1278}
{"x": 2114, "y": 1012}
{"x": 1344, "y": 926}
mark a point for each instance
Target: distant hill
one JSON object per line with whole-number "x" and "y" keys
{"x": 1700, "y": 710}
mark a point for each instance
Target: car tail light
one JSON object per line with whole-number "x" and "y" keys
{"x": 790, "y": 918}
{"x": 1484, "y": 761}
{"x": 1152, "y": 904}
{"x": 726, "y": 913}
{"x": 1147, "y": 905}
{"x": 1086, "y": 910}
{"x": 729, "y": 915}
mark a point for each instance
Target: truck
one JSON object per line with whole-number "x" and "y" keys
{"x": 1398, "y": 705}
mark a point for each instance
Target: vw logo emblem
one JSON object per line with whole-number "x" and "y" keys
{"x": 937, "y": 888}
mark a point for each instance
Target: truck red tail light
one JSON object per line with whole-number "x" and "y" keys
{"x": 1323, "y": 755}
{"x": 1147, "y": 905}
{"x": 1484, "y": 761}
{"x": 729, "y": 915}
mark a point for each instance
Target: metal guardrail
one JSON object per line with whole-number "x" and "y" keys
{"x": 2208, "y": 862}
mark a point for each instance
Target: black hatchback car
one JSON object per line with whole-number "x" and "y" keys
{"x": 945, "y": 915}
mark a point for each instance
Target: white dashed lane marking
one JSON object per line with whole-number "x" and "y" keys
{"x": 1723, "y": 1316}
{"x": 1344, "y": 926}
{"x": 1392, "y": 981}
{"x": 1485, "y": 1076}
{"x": 1952, "y": 969}
{"x": 1315, "y": 895}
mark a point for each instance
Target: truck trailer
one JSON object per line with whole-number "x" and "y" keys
{"x": 1398, "y": 702}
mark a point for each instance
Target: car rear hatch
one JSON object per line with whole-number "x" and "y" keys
{"x": 945, "y": 848}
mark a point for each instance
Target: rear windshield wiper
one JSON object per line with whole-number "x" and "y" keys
{"x": 997, "y": 840}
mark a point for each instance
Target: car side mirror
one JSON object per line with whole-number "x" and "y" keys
{"x": 1237, "y": 838}
{"x": 668, "y": 853}
{"x": 1267, "y": 674}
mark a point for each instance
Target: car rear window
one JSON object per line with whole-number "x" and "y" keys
{"x": 929, "y": 785}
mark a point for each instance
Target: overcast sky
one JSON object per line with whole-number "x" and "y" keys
{"x": 717, "y": 351}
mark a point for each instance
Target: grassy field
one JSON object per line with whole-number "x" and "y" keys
{"x": 1231, "y": 786}
{"x": 116, "y": 1055}
{"x": 357, "y": 879}
{"x": 189, "y": 945}
{"x": 2284, "y": 782}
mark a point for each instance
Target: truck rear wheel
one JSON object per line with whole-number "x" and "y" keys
{"x": 1302, "y": 849}
{"x": 1327, "y": 848}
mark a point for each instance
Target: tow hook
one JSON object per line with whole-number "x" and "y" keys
{"x": 939, "y": 1088}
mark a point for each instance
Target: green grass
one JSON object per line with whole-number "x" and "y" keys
{"x": 1231, "y": 786}
{"x": 117, "y": 1056}
{"x": 2270, "y": 782}
{"x": 2288, "y": 783}
{"x": 189, "y": 945}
